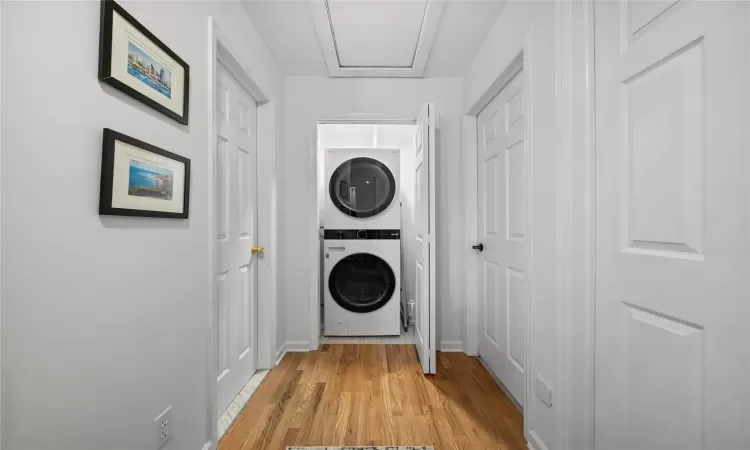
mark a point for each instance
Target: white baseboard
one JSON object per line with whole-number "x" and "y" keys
{"x": 291, "y": 347}
{"x": 451, "y": 346}
{"x": 280, "y": 352}
{"x": 538, "y": 443}
{"x": 208, "y": 446}
{"x": 297, "y": 346}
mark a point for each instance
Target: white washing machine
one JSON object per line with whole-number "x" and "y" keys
{"x": 363, "y": 189}
{"x": 361, "y": 282}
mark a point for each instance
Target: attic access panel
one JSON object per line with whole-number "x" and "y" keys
{"x": 376, "y": 38}
{"x": 376, "y": 34}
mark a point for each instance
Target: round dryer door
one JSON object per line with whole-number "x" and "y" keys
{"x": 362, "y": 187}
{"x": 362, "y": 283}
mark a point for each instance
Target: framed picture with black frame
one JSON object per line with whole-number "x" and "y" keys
{"x": 140, "y": 179}
{"x": 133, "y": 60}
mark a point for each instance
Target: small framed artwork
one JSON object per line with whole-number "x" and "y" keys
{"x": 140, "y": 179}
{"x": 134, "y": 61}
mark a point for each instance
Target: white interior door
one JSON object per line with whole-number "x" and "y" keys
{"x": 672, "y": 248}
{"x": 236, "y": 285}
{"x": 501, "y": 214}
{"x": 316, "y": 264}
{"x": 424, "y": 207}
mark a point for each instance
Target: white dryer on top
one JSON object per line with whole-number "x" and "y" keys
{"x": 363, "y": 189}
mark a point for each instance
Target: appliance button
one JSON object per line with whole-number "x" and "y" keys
{"x": 361, "y": 234}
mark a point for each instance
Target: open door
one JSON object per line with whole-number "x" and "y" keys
{"x": 315, "y": 262}
{"x": 424, "y": 207}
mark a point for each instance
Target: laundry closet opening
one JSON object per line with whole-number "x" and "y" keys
{"x": 366, "y": 197}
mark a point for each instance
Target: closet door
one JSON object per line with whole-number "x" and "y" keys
{"x": 424, "y": 204}
{"x": 236, "y": 283}
{"x": 672, "y": 247}
{"x": 501, "y": 208}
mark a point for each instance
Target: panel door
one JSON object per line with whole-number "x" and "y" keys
{"x": 502, "y": 232}
{"x": 236, "y": 232}
{"x": 424, "y": 207}
{"x": 672, "y": 247}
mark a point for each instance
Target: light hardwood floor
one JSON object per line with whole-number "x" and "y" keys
{"x": 376, "y": 395}
{"x": 238, "y": 404}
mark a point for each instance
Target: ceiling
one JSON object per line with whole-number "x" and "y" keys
{"x": 423, "y": 38}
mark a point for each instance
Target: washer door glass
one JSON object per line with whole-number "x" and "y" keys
{"x": 362, "y": 187}
{"x": 362, "y": 283}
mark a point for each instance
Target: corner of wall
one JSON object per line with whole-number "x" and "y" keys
{"x": 280, "y": 352}
{"x": 296, "y": 346}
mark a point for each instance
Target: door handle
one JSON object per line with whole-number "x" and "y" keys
{"x": 479, "y": 247}
{"x": 256, "y": 250}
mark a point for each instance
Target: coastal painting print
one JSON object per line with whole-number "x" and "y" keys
{"x": 147, "y": 180}
{"x": 140, "y": 179}
{"x": 134, "y": 61}
{"x": 148, "y": 70}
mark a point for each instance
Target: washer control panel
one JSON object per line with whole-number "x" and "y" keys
{"x": 361, "y": 234}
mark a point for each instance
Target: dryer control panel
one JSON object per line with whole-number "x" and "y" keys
{"x": 361, "y": 234}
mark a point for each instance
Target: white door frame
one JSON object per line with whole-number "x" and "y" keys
{"x": 220, "y": 50}
{"x": 576, "y": 183}
{"x": 314, "y": 219}
{"x": 574, "y": 60}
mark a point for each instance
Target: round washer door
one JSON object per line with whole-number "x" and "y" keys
{"x": 362, "y": 187}
{"x": 362, "y": 283}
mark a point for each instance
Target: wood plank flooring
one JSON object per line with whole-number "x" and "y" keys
{"x": 376, "y": 395}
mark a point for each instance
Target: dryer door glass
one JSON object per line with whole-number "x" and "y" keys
{"x": 362, "y": 187}
{"x": 362, "y": 283}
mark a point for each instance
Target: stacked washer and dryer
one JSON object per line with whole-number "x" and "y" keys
{"x": 362, "y": 243}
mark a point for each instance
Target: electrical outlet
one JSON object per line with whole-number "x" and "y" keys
{"x": 163, "y": 428}
{"x": 543, "y": 390}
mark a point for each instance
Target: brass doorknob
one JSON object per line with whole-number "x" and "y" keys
{"x": 255, "y": 250}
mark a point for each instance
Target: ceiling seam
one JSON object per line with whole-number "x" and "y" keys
{"x": 333, "y": 34}
{"x": 419, "y": 36}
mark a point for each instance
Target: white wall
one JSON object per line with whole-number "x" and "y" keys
{"x": 104, "y": 319}
{"x": 310, "y": 99}
{"x": 536, "y": 21}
